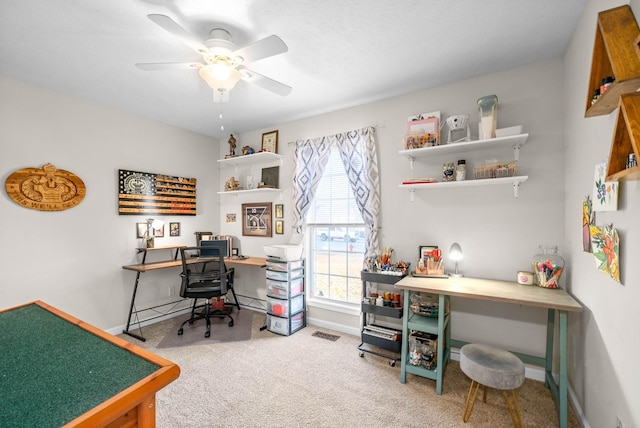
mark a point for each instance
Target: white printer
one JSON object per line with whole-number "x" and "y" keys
{"x": 283, "y": 252}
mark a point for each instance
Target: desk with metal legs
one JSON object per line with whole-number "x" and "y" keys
{"x": 554, "y": 300}
{"x": 174, "y": 263}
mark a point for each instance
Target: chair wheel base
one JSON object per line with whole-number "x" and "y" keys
{"x": 231, "y": 323}
{"x": 207, "y": 334}
{"x": 180, "y": 332}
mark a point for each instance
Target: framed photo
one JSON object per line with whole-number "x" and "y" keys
{"x": 427, "y": 251}
{"x": 279, "y": 211}
{"x": 234, "y": 252}
{"x": 174, "y": 229}
{"x": 159, "y": 233}
{"x": 256, "y": 219}
{"x": 279, "y": 227}
{"x": 141, "y": 229}
{"x": 270, "y": 141}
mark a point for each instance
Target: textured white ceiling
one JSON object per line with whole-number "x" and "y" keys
{"x": 341, "y": 53}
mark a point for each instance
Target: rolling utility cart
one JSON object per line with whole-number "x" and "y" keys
{"x": 381, "y": 337}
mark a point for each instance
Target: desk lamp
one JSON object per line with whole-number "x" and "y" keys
{"x": 455, "y": 253}
{"x": 148, "y": 236}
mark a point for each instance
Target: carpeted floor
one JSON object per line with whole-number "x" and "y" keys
{"x": 307, "y": 381}
{"x": 193, "y": 334}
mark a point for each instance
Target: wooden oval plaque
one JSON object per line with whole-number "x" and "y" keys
{"x": 46, "y": 188}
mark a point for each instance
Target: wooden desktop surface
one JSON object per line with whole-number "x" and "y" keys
{"x": 145, "y": 267}
{"x": 493, "y": 290}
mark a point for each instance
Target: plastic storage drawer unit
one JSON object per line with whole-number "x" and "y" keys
{"x": 285, "y": 326}
{"x": 284, "y": 276}
{"x": 283, "y": 308}
{"x": 285, "y": 290}
{"x": 284, "y": 266}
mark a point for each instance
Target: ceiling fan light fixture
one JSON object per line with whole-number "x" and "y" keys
{"x": 219, "y": 76}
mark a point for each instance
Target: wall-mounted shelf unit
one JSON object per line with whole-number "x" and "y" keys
{"x": 515, "y": 141}
{"x": 626, "y": 140}
{"x": 246, "y": 192}
{"x": 614, "y": 54}
{"x": 515, "y": 181}
{"x": 256, "y": 158}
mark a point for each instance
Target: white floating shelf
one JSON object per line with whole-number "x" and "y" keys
{"x": 515, "y": 181}
{"x": 516, "y": 141}
{"x": 260, "y": 157}
{"x": 244, "y": 192}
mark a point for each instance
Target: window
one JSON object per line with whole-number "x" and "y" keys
{"x": 337, "y": 237}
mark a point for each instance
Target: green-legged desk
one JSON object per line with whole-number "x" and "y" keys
{"x": 554, "y": 300}
{"x": 56, "y": 370}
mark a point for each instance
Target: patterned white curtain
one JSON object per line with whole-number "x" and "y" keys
{"x": 358, "y": 153}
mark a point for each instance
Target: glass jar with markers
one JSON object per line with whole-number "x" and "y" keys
{"x": 548, "y": 265}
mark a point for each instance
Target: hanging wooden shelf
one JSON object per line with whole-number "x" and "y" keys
{"x": 626, "y": 140}
{"x": 614, "y": 54}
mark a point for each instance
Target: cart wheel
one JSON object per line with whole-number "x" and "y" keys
{"x": 392, "y": 363}
{"x": 361, "y": 354}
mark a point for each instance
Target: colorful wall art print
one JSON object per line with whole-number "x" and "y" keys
{"x": 588, "y": 219}
{"x": 605, "y": 245}
{"x": 605, "y": 193}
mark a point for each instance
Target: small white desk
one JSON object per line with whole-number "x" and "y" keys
{"x": 508, "y": 292}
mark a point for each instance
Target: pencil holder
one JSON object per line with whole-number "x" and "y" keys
{"x": 548, "y": 265}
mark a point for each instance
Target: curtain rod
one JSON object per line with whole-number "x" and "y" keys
{"x": 370, "y": 126}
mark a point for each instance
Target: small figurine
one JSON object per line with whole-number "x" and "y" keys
{"x": 232, "y": 145}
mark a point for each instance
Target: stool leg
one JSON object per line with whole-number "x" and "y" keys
{"x": 515, "y": 403}
{"x": 466, "y": 416}
{"x": 484, "y": 394}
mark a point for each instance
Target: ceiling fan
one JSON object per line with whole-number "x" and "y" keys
{"x": 224, "y": 61}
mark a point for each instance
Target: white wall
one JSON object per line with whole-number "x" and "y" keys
{"x": 73, "y": 259}
{"x": 498, "y": 233}
{"x": 606, "y": 373}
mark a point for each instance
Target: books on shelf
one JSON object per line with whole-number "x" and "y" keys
{"x": 419, "y": 180}
{"x": 382, "y": 332}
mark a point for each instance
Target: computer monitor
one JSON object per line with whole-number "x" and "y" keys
{"x": 220, "y": 246}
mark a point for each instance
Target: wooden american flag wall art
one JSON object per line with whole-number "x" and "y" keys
{"x": 157, "y": 194}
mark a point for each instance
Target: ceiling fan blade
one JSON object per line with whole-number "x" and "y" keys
{"x": 264, "y": 82}
{"x": 169, "y": 66}
{"x": 269, "y": 46}
{"x": 174, "y": 28}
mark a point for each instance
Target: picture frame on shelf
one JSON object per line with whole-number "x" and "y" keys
{"x": 425, "y": 251}
{"x": 270, "y": 142}
{"x": 279, "y": 227}
{"x": 270, "y": 177}
{"x": 174, "y": 229}
{"x": 279, "y": 211}
{"x": 256, "y": 219}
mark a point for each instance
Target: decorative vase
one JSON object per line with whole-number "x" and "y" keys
{"x": 548, "y": 265}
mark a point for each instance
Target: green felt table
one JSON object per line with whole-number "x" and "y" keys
{"x": 56, "y": 370}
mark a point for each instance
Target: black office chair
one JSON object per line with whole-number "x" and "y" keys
{"x": 206, "y": 284}
{"x": 223, "y": 248}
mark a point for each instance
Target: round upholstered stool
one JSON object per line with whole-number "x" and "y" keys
{"x": 494, "y": 368}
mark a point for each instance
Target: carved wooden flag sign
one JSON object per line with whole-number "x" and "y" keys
{"x": 155, "y": 194}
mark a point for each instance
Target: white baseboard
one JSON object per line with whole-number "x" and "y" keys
{"x": 133, "y": 327}
{"x": 332, "y": 326}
